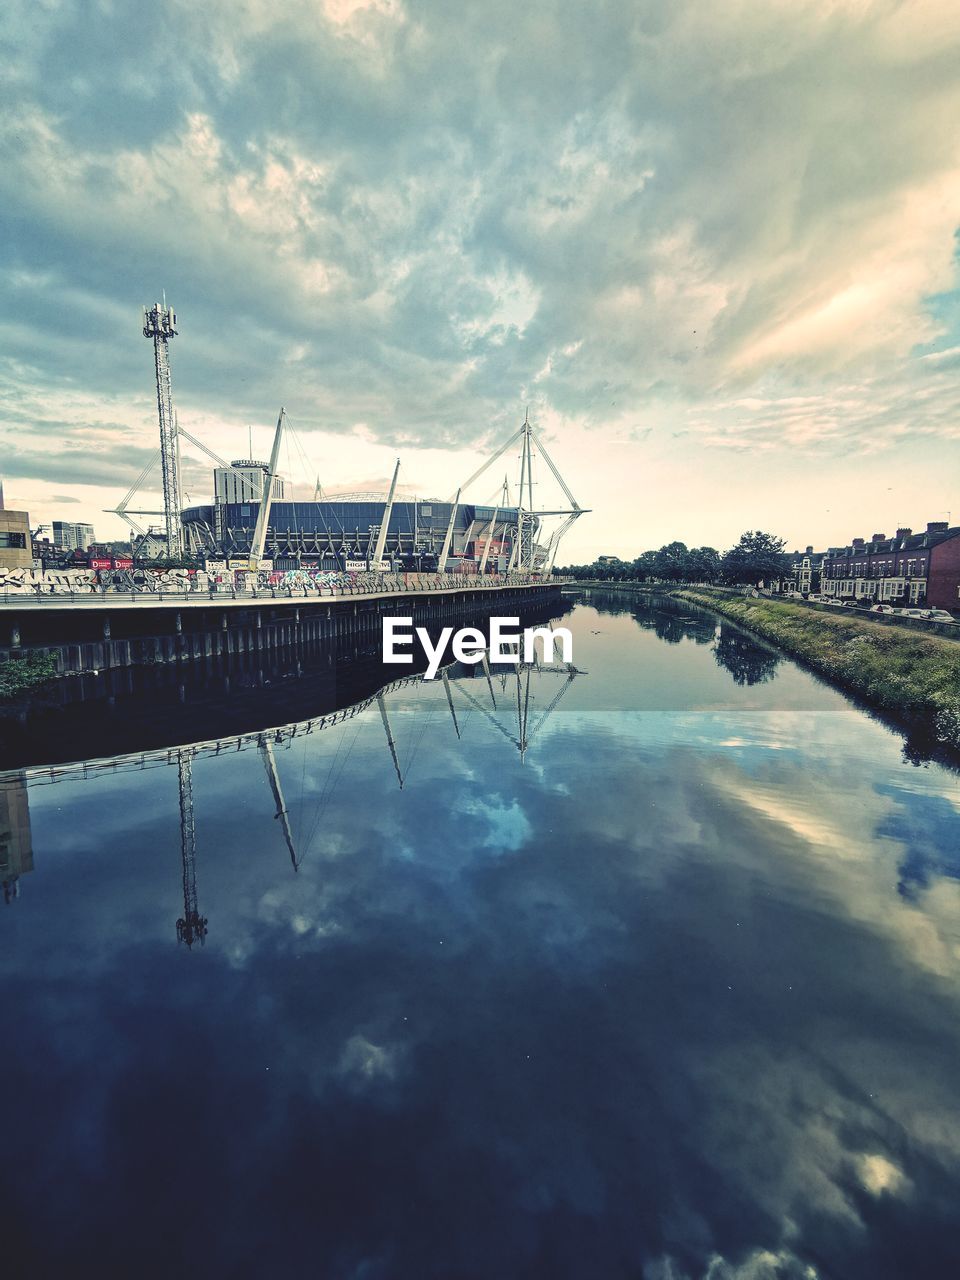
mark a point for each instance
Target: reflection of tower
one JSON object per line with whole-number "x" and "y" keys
{"x": 160, "y": 324}
{"x": 16, "y": 845}
{"x": 192, "y": 926}
{"x": 270, "y": 765}
{"x": 390, "y": 742}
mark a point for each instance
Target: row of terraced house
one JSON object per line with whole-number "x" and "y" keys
{"x": 907, "y": 569}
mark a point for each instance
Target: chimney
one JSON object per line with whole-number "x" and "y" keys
{"x": 903, "y": 533}
{"x": 809, "y": 551}
{"x": 938, "y": 526}
{"x": 857, "y": 544}
{"x": 878, "y": 537}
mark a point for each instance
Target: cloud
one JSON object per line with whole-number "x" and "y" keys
{"x": 739, "y": 224}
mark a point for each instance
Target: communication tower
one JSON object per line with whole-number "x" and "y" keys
{"x": 160, "y": 324}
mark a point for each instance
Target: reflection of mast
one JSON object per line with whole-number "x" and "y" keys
{"x": 270, "y": 765}
{"x": 525, "y": 734}
{"x": 446, "y": 685}
{"x": 485, "y": 662}
{"x": 390, "y": 742}
{"x": 192, "y": 926}
{"x": 523, "y": 708}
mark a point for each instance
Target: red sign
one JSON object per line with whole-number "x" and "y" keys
{"x": 99, "y": 564}
{"x": 122, "y": 562}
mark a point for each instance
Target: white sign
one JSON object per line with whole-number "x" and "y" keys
{"x": 356, "y": 566}
{"x": 216, "y": 566}
{"x": 469, "y": 644}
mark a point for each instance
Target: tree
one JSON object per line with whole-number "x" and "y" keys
{"x": 704, "y": 564}
{"x": 757, "y": 557}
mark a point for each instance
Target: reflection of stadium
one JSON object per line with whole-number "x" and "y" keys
{"x": 516, "y": 703}
{"x": 16, "y": 844}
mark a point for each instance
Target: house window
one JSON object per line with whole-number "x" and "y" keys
{"x": 9, "y": 538}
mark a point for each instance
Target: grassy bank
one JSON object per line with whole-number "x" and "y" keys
{"x": 912, "y": 676}
{"x": 20, "y": 676}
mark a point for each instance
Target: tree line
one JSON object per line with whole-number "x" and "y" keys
{"x": 757, "y": 557}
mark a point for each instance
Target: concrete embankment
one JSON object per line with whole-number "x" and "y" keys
{"x": 92, "y": 634}
{"x": 911, "y": 676}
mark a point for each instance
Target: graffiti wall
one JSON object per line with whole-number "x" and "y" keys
{"x": 34, "y": 582}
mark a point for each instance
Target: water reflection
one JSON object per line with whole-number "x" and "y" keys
{"x": 748, "y": 661}
{"x": 16, "y": 844}
{"x": 619, "y": 989}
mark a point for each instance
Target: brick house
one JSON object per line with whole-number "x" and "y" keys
{"x": 907, "y": 569}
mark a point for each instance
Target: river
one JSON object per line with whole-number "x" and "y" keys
{"x": 650, "y": 969}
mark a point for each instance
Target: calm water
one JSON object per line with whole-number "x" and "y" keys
{"x": 673, "y": 992}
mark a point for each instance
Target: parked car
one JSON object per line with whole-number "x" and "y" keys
{"x": 838, "y": 604}
{"x": 941, "y": 615}
{"x": 914, "y": 613}
{"x": 882, "y": 608}
{"x": 850, "y": 604}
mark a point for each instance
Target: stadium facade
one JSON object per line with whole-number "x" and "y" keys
{"x": 340, "y": 531}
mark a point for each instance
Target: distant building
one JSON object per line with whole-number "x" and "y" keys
{"x": 16, "y": 845}
{"x": 16, "y": 548}
{"x": 243, "y": 481}
{"x": 609, "y": 560}
{"x": 71, "y": 536}
{"x": 803, "y": 571}
{"x": 907, "y": 569}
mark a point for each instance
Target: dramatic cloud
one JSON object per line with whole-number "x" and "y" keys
{"x": 687, "y": 232}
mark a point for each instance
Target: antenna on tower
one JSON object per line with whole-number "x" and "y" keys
{"x": 160, "y": 324}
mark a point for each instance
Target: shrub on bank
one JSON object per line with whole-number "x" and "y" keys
{"x": 22, "y": 675}
{"x": 908, "y": 674}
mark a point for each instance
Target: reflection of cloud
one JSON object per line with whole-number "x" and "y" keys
{"x": 760, "y": 1264}
{"x": 672, "y": 1026}
{"x": 508, "y": 826}
{"x": 361, "y": 1057}
{"x": 878, "y": 1174}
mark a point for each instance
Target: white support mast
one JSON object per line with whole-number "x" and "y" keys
{"x": 382, "y": 535}
{"x": 489, "y": 539}
{"x": 266, "y": 498}
{"x": 442, "y": 566}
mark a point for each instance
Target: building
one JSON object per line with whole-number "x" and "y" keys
{"x": 16, "y": 845}
{"x": 72, "y": 537}
{"x": 803, "y": 571}
{"x": 16, "y": 546}
{"x": 243, "y": 481}
{"x": 907, "y": 569}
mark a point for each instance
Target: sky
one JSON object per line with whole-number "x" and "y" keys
{"x": 712, "y": 247}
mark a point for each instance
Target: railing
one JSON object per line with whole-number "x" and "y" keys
{"x": 103, "y": 595}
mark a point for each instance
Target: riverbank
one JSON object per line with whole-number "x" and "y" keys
{"x": 20, "y": 676}
{"x": 913, "y": 677}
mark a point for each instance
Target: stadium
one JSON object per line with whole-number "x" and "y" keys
{"x": 341, "y": 531}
